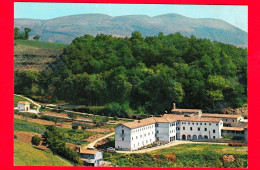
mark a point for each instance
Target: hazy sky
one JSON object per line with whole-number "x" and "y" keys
{"x": 234, "y": 14}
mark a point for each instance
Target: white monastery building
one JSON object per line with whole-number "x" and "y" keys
{"x": 189, "y": 125}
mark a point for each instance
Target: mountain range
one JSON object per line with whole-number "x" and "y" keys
{"x": 65, "y": 29}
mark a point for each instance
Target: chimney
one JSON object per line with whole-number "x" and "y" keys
{"x": 174, "y": 106}
{"x": 165, "y": 111}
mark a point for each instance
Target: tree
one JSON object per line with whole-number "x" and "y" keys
{"x": 55, "y": 120}
{"x": 83, "y": 127}
{"x": 36, "y": 140}
{"x": 16, "y": 33}
{"x": 36, "y": 37}
{"x": 26, "y": 33}
{"x": 73, "y": 116}
{"x": 53, "y": 139}
{"x": 75, "y": 126}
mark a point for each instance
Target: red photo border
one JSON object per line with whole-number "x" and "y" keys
{"x": 7, "y": 77}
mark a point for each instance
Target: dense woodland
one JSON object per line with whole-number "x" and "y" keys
{"x": 143, "y": 75}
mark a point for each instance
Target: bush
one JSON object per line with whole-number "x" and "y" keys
{"x": 237, "y": 144}
{"x": 15, "y": 137}
{"x": 36, "y": 140}
{"x": 171, "y": 157}
{"x": 27, "y": 114}
{"x": 75, "y": 126}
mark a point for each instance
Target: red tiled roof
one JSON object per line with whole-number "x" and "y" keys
{"x": 186, "y": 110}
{"x": 139, "y": 123}
{"x": 23, "y": 102}
{"x": 191, "y": 119}
{"x": 220, "y": 115}
{"x": 167, "y": 118}
{"x": 233, "y": 128}
{"x": 88, "y": 151}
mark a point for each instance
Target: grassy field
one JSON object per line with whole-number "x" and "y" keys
{"x": 40, "y": 44}
{"x": 25, "y": 154}
{"x": 188, "y": 155}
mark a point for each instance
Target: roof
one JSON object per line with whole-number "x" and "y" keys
{"x": 88, "y": 151}
{"x": 191, "y": 118}
{"x": 23, "y": 102}
{"x": 233, "y": 128}
{"x": 220, "y": 115}
{"x": 167, "y": 118}
{"x": 139, "y": 123}
{"x": 186, "y": 110}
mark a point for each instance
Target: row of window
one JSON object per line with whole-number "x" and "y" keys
{"x": 142, "y": 136}
{"x": 205, "y": 129}
{"x": 143, "y": 142}
{"x": 189, "y": 123}
{"x": 144, "y": 128}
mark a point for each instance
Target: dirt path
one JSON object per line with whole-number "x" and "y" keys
{"x": 177, "y": 142}
{"x": 92, "y": 144}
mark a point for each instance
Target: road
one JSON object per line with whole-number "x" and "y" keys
{"x": 92, "y": 144}
{"x": 177, "y": 142}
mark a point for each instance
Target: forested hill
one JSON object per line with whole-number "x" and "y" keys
{"x": 143, "y": 74}
{"x": 65, "y": 29}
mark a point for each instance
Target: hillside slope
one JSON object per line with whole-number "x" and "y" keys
{"x": 25, "y": 154}
{"x": 65, "y": 29}
{"x": 34, "y": 55}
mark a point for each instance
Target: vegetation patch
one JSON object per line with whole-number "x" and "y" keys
{"x": 186, "y": 155}
{"x": 25, "y": 154}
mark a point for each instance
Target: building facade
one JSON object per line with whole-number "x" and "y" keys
{"x": 168, "y": 128}
{"x": 91, "y": 157}
{"x": 23, "y": 106}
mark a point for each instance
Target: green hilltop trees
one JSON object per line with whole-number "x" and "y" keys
{"x": 144, "y": 74}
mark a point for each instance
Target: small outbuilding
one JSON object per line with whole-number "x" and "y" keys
{"x": 91, "y": 157}
{"x": 23, "y": 106}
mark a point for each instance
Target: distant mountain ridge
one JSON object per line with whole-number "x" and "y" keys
{"x": 65, "y": 29}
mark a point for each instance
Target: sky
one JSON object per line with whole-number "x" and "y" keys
{"x": 236, "y": 15}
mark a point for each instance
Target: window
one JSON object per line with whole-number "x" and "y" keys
{"x": 140, "y": 136}
{"x": 226, "y": 120}
{"x": 214, "y": 131}
{"x": 123, "y": 139}
{"x": 205, "y": 129}
{"x": 123, "y": 131}
{"x": 178, "y": 128}
{"x": 217, "y": 124}
{"x": 205, "y": 123}
{"x": 183, "y": 128}
{"x": 197, "y": 123}
{"x": 188, "y": 123}
{"x": 191, "y": 128}
{"x": 157, "y": 131}
{"x": 192, "y": 123}
{"x": 200, "y": 123}
{"x": 233, "y": 120}
{"x": 210, "y": 124}
{"x": 214, "y": 137}
{"x": 136, "y": 137}
{"x": 181, "y": 122}
{"x": 198, "y": 129}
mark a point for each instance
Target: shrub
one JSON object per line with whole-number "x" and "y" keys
{"x": 237, "y": 144}
{"x": 171, "y": 157}
{"x": 83, "y": 127}
{"x": 36, "y": 140}
{"x": 75, "y": 126}
{"x": 15, "y": 137}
